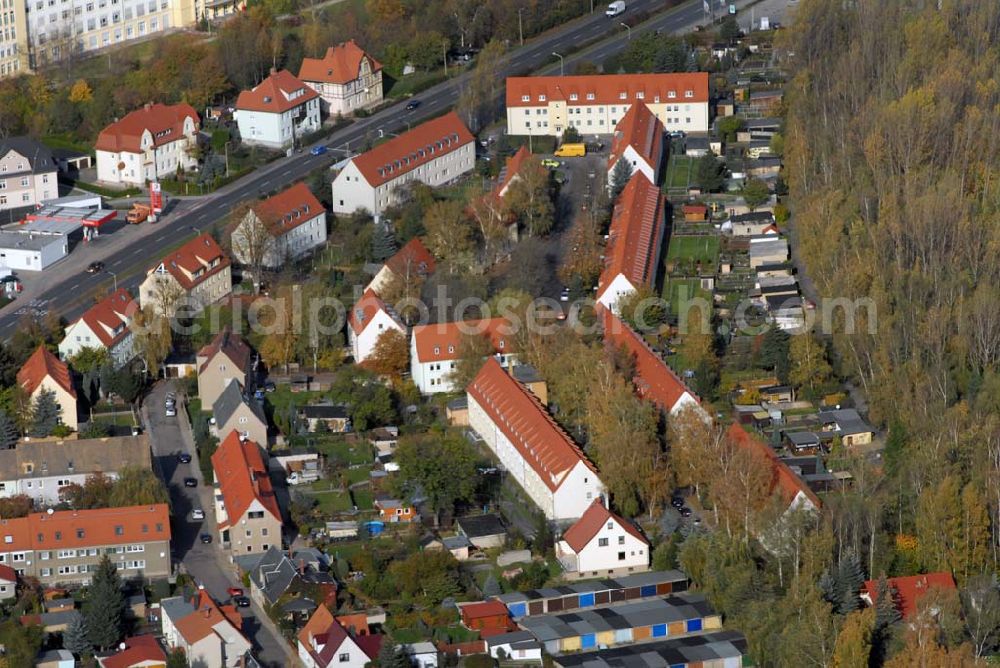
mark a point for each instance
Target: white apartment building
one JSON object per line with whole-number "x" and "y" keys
{"x": 433, "y": 153}
{"x": 346, "y": 79}
{"x": 594, "y": 103}
{"x": 294, "y": 220}
{"x": 148, "y": 144}
{"x": 104, "y": 326}
{"x": 55, "y": 28}
{"x": 277, "y": 111}
{"x": 550, "y": 468}
{"x": 368, "y": 320}
{"x": 436, "y": 348}
{"x": 602, "y": 544}
{"x": 27, "y": 171}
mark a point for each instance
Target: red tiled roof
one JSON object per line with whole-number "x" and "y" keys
{"x": 140, "y": 650}
{"x": 910, "y": 589}
{"x": 242, "y": 475}
{"x": 327, "y": 631}
{"x": 492, "y": 608}
{"x": 442, "y": 341}
{"x": 585, "y": 528}
{"x": 196, "y": 255}
{"x": 608, "y": 89}
{"x": 231, "y": 345}
{"x": 66, "y": 529}
{"x": 370, "y": 644}
{"x": 643, "y": 131}
{"x": 636, "y": 234}
{"x": 164, "y": 122}
{"x": 413, "y": 257}
{"x": 783, "y": 481}
{"x": 654, "y": 380}
{"x": 462, "y": 648}
{"x": 340, "y": 65}
{"x": 401, "y": 155}
{"x": 114, "y": 311}
{"x": 7, "y": 574}
{"x": 695, "y": 209}
{"x": 521, "y": 417}
{"x": 288, "y": 209}
{"x": 207, "y": 614}
{"x": 42, "y": 363}
{"x": 365, "y": 309}
{"x": 274, "y": 94}
{"x": 513, "y": 166}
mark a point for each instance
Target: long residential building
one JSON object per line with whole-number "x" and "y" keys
{"x": 436, "y": 348}
{"x": 433, "y": 153}
{"x": 638, "y": 140}
{"x": 284, "y": 227}
{"x": 193, "y": 276}
{"x": 594, "y": 103}
{"x": 42, "y": 470}
{"x": 64, "y": 547}
{"x": 246, "y": 508}
{"x": 551, "y": 469}
{"x": 635, "y": 241}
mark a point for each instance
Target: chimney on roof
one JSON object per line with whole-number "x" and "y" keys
{"x": 207, "y": 611}
{"x": 148, "y": 105}
{"x": 274, "y": 71}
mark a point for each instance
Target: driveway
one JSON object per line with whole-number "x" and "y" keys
{"x": 207, "y": 564}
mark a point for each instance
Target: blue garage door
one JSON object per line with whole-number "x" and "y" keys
{"x": 517, "y": 609}
{"x": 659, "y": 630}
{"x": 693, "y": 625}
{"x": 647, "y": 591}
{"x": 586, "y": 600}
{"x": 588, "y": 641}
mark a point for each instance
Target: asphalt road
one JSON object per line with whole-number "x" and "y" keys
{"x": 206, "y": 563}
{"x": 65, "y": 289}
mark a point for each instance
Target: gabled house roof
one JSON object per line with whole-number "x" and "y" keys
{"x": 79, "y": 456}
{"x": 276, "y": 94}
{"x": 138, "y": 651}
{"x": 592, "y": 521}
{"x": 42, "y": 363}
{"x": 606, "y": 89}
{"x": 70, "y": 529}
{"x": 340, "y": 65}
{"x": 783, "y": 480}
{"x": 424, "y": 143}
{"x": 164, "y": 122}
{"x": 7, "y": 574}
{"x": 543, "y": 445}
{"x": 328, "y": 635}
{"x": 210, "y": 618}
{"x": 197, "y": 255}
{"x": 229, "y": 401}
{"x": 636, "y": 234}
{"x": 365, "y": 309}
{"x": 108, "y": 319}
{"x": 654, "y": 380}
{"x": 413, "y": 258}
{"x": 643, "y": 131}
{"x": 243, "y": 479}
{"x": 273, "y": 574}
{"x": 231, "y": 345}
{"x": 38, "y": 155}
{"x": 442, "y": 340}
{"x": 910, "y": 589}
{"x": 511, "y": 169}
{"x": 288, "y": 209}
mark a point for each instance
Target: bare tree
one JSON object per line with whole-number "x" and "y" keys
{"x": 251, "y": 240}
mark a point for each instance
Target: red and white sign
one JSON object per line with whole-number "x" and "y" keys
{"x": 155, "y": 197}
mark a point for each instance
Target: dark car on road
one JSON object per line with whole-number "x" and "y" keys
{"x": 95, "y": 267}
{"x": 412, "y": 104}
{"x": 318, "y": 150}
{"x": 206, "y": 538}
{"x": 242, "y": 601}
{"x": 190, "y": 482}
{"x": 184, "y": 458}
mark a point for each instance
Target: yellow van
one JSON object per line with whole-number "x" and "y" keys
{"x": 571, "y": 151}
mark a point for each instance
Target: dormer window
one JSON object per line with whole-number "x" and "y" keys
{"x": 541, "y": 98}
{"x": 640, "y": 95}
{"x": 525, "y": 98}
{"x": 689, "y": 93}
{"x": 573, "y": 96}
{"x": 500, "y": 345}
{"x": 656, "y": 99}
{"x": 590, "y": 96}
{"x": 437, "y": 350}
{"x": 671, "y": 94}
{"x": 451, "y": 349}
{"x": 623, "y": 96}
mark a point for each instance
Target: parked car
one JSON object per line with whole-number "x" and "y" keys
{"x": 206, "y": 538}
{"x": 318, "y": 150}
{"x": 550, "y": 163}
{"x": 95, "y": 267}
{"x": 677, "y": 502}
{"x": 234, "y": 591}
{"x": 197, "y": 514}
{"x": 242, "y": 602}
{"x": 685, "y": 512}
{"x": 564, "y": 295}
{"x": 184, "y": 458}
{"x": 190, "y": 482}
{"x": 269, "y": 387}
{"x": 170, "y": 411}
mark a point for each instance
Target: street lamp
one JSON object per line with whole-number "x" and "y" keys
{"x": 627, "y": 27}
{"x": 114, "y": 276}
{"x": 520, "y": 25}
{"x": 561, "y": 62}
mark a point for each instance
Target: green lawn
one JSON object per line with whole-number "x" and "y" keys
{"x": 680, "y": 172}
{"x": 678, "y": 290}
{"x": 337, "y": 449}
{"x": 364, "y": 498}
{"x": 332, "y": 503}
{"x": 703, "y": 248}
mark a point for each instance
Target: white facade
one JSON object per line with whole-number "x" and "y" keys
{"x": 553, "y": 117}
{"x": 291, "y": 245}
{"x": 567, "y": 502}
{"x": 352, "y": 191}
{"x": 612, "y": 549}
{"x": 618, "y": 287}
{"x": 278, "y": 129}
{"x": 31, "y": 252}
{"x": 348, "y": 655}
{"x": 638, "y": 163}
{"x": 45, "y": 490}
{"x": 363, "y": 342}
{"x": 80, "y": 336}
{"x": 153, "y": 163}
{"x": 20, "y": 187}
{"x": 433, "y": 377}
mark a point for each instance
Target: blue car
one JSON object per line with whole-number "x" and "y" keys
{"x": 318, "y": 150}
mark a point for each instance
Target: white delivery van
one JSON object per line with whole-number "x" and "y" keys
{"x": 615, "y": 8}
